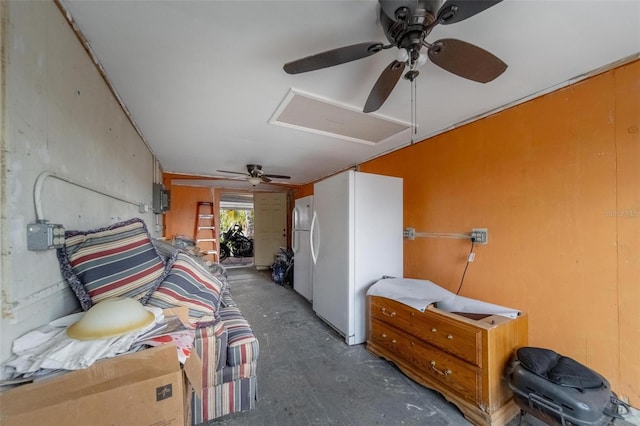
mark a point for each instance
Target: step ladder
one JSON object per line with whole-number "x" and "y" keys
{"x": 204, "y": 233}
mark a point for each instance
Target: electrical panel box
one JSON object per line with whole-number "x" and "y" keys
{"x": 44, "y": 236}
{"x": 161, "y": 199}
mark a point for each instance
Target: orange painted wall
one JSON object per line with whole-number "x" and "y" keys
{"x": 556, "y": 181}
{"x": 180, "y": 219}
{"x": 304, "y": 190}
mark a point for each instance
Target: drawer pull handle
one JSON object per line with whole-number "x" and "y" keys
{"x": 384, "y": 336}
{"x": 434, "y": 329}
{"x": 393, "y": 341}
{"x": 446, "y": 372}
{"x": 389, "y": 314}
{"x": 449, "y": 337}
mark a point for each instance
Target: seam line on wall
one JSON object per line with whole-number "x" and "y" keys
{"x": 10, "y": 310}
{"x": 617, "y": 226}
{"x": 4, "y": 220}
{"x": 96, "y": 62}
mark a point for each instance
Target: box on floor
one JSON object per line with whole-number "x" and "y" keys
{"x": 148, "y": 387}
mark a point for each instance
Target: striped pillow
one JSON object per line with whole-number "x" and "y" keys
{"x": 119, "y": 260}
{"x": 189, "y": 284}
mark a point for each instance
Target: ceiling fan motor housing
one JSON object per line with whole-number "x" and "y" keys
{"x": 410, "y": 31}
{"x": 402, "y": 10}
{"x": 255, "y": 170}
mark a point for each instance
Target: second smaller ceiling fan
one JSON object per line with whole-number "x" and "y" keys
{"x": 254, "y": 174}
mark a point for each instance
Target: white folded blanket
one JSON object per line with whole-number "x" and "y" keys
{"x": 49, "y": 347}
{"x": 421, "y": 293}
{"x": 412, "y": 292}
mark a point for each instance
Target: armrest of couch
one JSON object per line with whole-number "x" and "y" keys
{"x": 211, "y": 346}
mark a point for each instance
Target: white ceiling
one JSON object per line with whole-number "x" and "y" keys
{"x": 202, "y": 79}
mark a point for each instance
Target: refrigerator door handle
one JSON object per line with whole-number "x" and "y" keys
{"x": 295, "y": 218}
{"x": 314, "y": 255}
{"x": 293, "y": 231}
{"x": 294, "y": 238}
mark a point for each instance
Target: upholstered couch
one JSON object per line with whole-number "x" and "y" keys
{"x": 122, "y": 260}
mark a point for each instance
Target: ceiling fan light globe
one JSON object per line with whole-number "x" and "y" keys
{"x": 402, "y": 55}
{"x": 422, "y": 59}
{"x": 254, "y": 180}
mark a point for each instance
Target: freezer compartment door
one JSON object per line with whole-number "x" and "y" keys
{"x": 302, "y": 213}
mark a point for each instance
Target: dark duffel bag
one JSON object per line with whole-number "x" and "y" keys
{"x": 560, "y": 391}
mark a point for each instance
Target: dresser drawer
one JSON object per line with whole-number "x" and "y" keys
{"x": 384, "y": 335}
{"x": 457, "y": 375}
{"x": 457, "y": 338}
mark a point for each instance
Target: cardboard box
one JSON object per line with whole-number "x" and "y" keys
{"x": 144, "y": 388}
{"x": 193, "y": 366}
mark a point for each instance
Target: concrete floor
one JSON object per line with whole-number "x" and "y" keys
{"x": 307, "y": 375}
{"x": 233, "y": 262}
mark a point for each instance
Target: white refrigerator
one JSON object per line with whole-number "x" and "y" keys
{"x": 356, "y": 239}
{"x": 300, "y": 244}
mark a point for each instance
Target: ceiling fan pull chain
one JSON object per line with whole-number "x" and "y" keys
{"x": 413, "y": 101}
{"x": 414, "y": 88}
{"x": 413, "y": 110}
{"x": 414, "y": 83}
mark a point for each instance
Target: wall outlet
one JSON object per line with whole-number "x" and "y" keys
{"x": 44, "y": 236}
{"x": 481, "y": 235}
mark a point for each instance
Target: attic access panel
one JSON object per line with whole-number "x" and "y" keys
{"x": 315, "y": 115}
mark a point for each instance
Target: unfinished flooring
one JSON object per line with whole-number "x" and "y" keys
{"x": 307, "y": 375}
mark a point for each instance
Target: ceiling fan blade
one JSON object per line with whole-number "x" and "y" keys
{"x": 466, "y": 60}
{"x": 236, "y": 173}
{"x": 232, "y": 178}
{"x": 277, "y": 176}
{"x": 453, "y": 11}
{"x": 265, "y": 179}
{"x": 383, "y": 87}
{"x": 333, "y": 57}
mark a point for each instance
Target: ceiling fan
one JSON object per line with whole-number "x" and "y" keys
{"x": 406, "y": 24}
{"x": 255, "y": 175}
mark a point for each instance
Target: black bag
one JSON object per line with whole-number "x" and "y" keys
{"x": 560, "y": 391}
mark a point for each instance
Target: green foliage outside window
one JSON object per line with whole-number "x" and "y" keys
{"x": 244, "y": 217}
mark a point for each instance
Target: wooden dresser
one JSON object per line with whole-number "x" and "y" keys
{"x": 462, "y": 358}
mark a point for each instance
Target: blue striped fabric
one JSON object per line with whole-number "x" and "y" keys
{"x": 226, "y": 398}
{"x": 210, "y": 345}
{"x": 117, "y": 261}
{"x": 227, "y": 299}
{"x": 242, "y": 346}
{"x": 237, "y": 372}
{"x": 189, "y": 284}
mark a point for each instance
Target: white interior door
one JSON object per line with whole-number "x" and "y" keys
{"x": 270, "y": 226}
